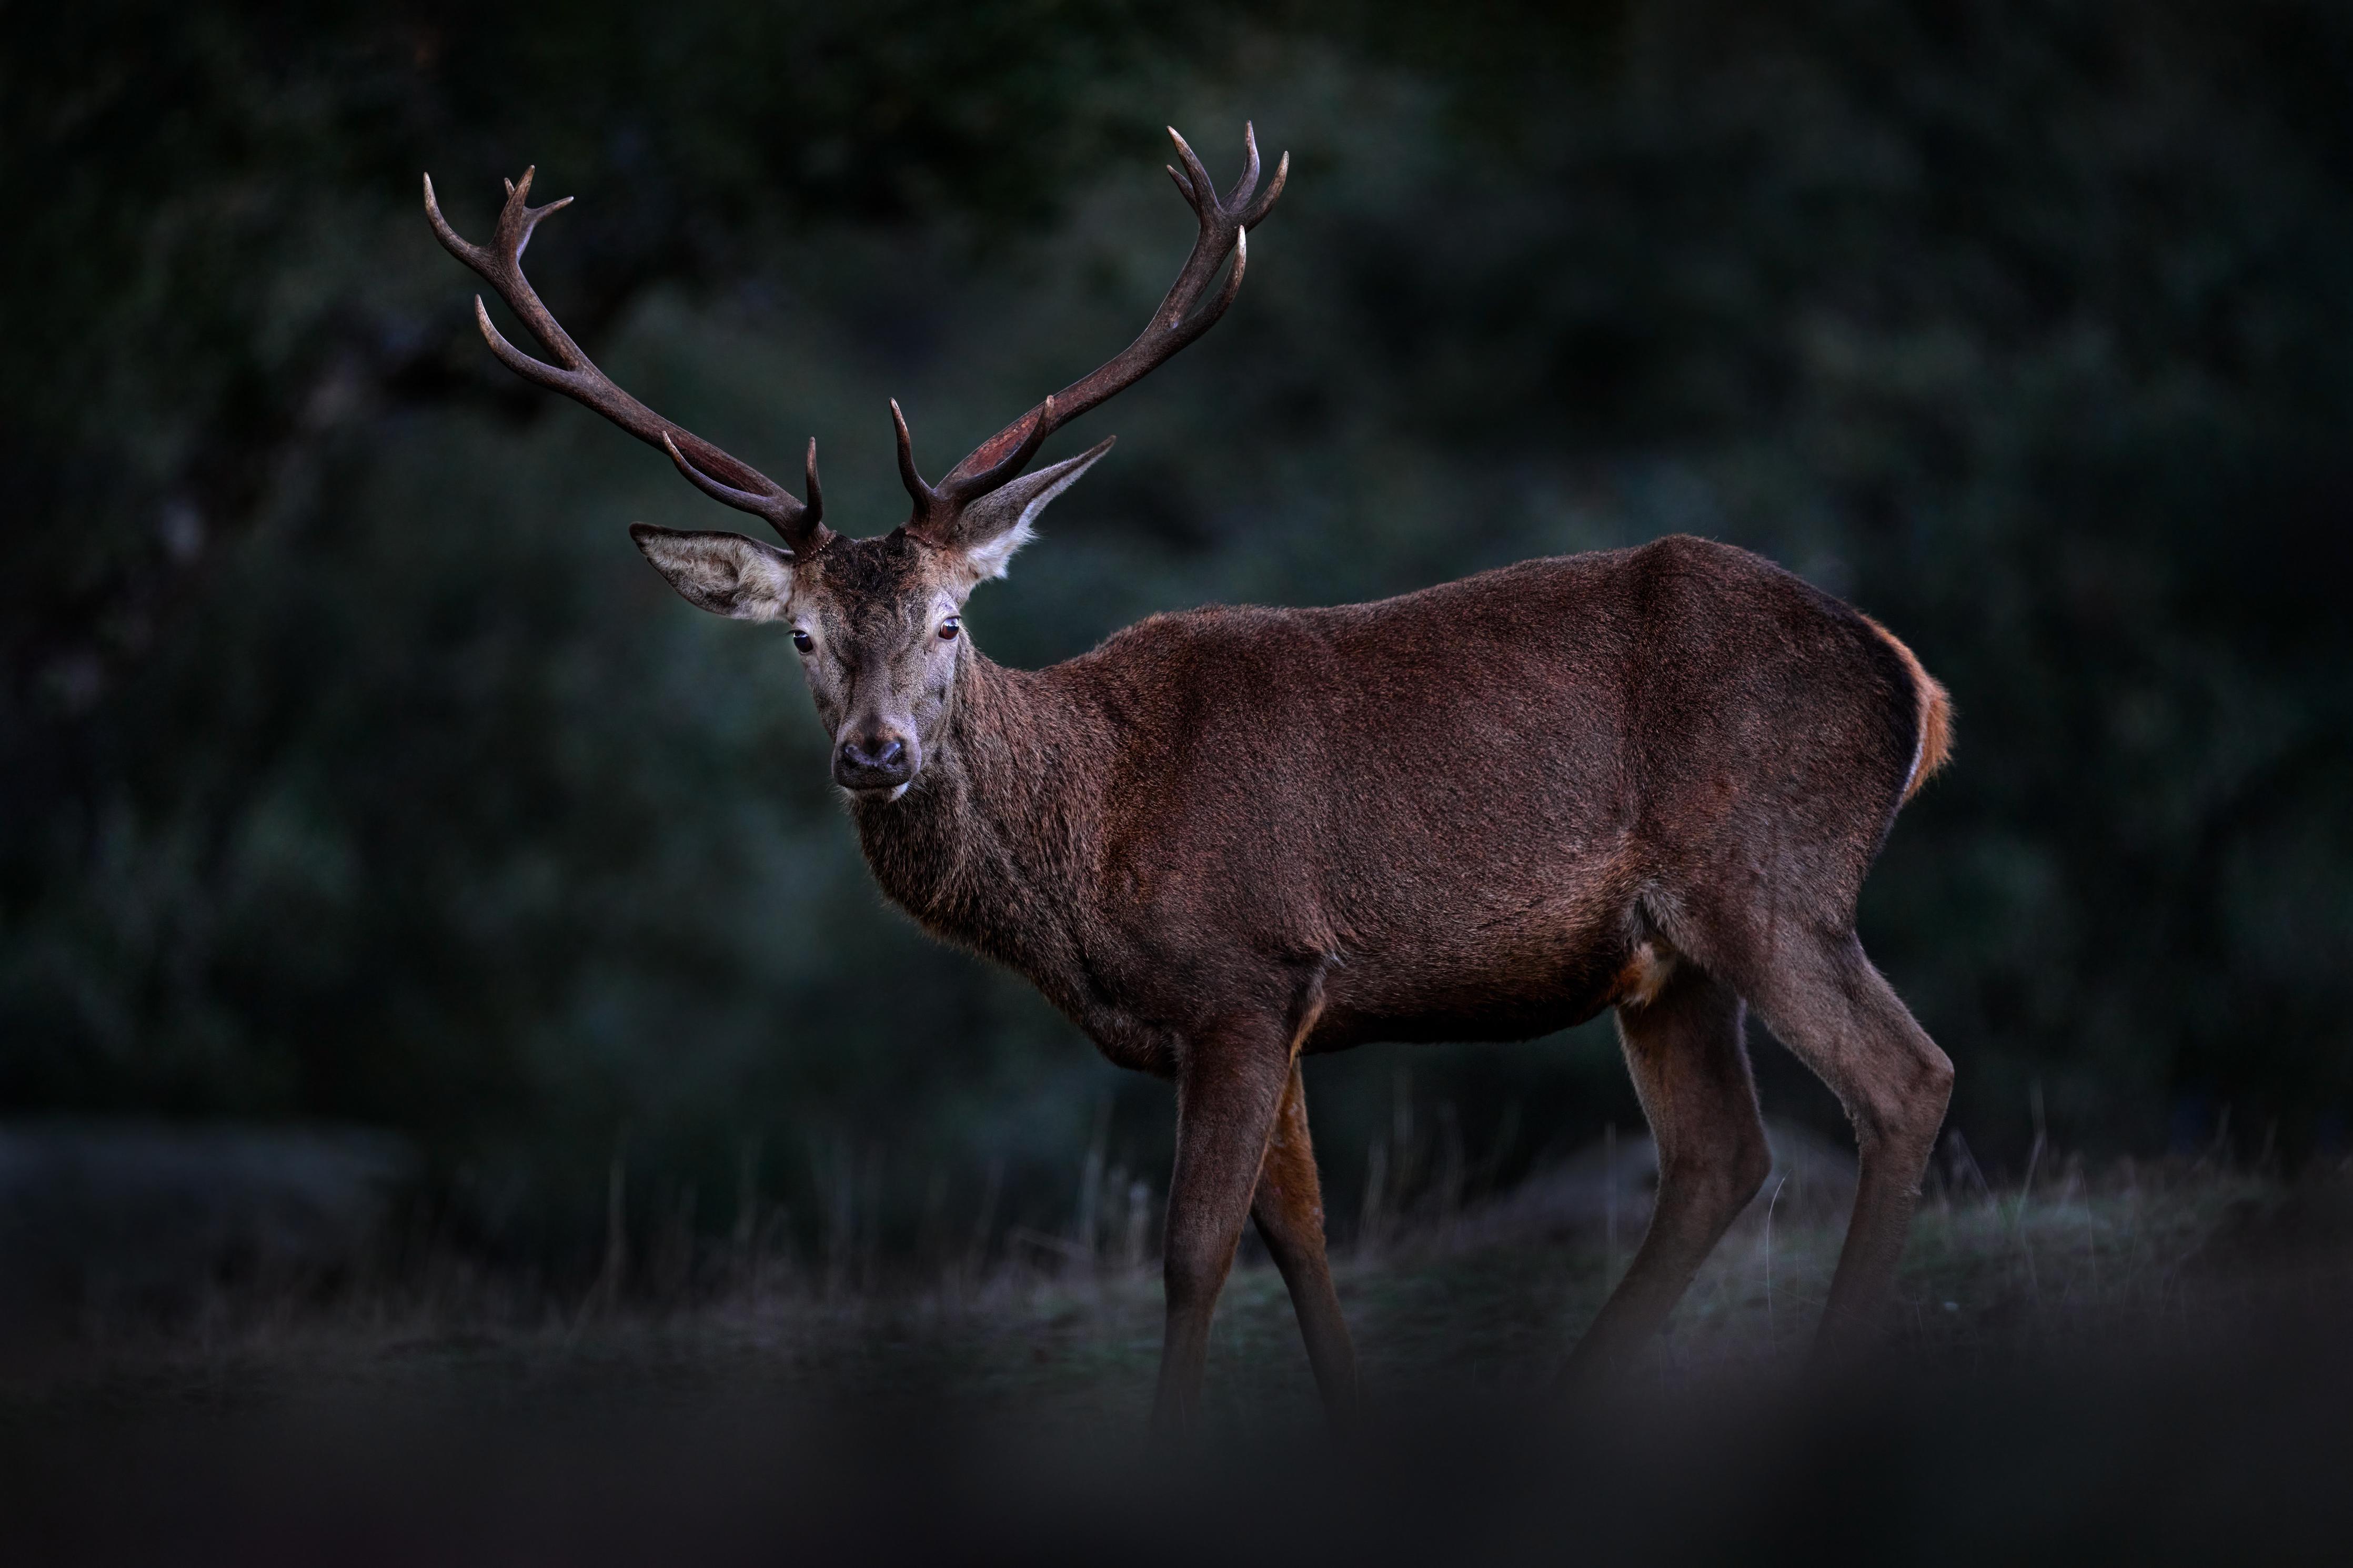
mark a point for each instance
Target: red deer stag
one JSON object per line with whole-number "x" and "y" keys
{"x": 1646, "y": 779}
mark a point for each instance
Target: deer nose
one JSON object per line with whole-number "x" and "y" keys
{"x": 872, "y": 761}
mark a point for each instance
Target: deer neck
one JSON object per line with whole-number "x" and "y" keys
{"x": 988, "y": 850}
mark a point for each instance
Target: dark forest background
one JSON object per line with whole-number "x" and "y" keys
{"x": 355, "y": 769}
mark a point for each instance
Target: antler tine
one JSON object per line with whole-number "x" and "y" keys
{"x": 709, "y": 469}
{"x": 926, "y": 499}
{"x": 1180, "y": 317}
{"x": 1205, "y": 191}
{"x": 1249, "y": 181}
{"x": 744, "y": 501}
{"x": 812, "y": 515}
{"x": 1256, "y": 212}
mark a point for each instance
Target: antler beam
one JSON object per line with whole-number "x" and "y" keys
{"x": 1225, "y": 224}
{"x": 712, "y": 471}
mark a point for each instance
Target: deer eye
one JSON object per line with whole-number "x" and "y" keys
{"x": 801, "y": 640}
{"x": 948, "y": 628}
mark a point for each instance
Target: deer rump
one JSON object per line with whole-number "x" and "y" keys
{"x": 1480, "y": 811}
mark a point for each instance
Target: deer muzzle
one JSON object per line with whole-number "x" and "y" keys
{"x": 875, "y": 762}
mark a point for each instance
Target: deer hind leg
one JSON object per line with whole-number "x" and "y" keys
{"x": 1289, "y": 1209}
{"x": 1840, "y": 1017}
{"x": 1228, "y": 1094}
{"x": 1684, "y": 1048}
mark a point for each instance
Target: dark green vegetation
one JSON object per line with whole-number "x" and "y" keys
{"x": 353, "y": 767}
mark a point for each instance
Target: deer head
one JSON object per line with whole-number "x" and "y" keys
{"x": 877, "y": 621}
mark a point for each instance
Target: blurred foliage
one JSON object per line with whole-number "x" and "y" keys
{"x": 356, "y": 768}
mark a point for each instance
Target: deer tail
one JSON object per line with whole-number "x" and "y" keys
{"x": 1932, "y": 747}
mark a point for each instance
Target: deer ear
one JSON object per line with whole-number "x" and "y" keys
{"x": 1005, "y": 519}
{"x": 725, "y": 574}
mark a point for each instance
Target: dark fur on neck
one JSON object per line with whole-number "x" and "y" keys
{"x": 988, "y": 850}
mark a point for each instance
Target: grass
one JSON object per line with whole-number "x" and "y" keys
{"x": 1481, "y": 1300}
{"x": 2122, "y": 1365}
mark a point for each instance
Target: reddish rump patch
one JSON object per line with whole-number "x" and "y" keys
{"x": 1935, "y": 714}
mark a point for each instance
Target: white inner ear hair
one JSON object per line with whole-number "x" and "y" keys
{"x": 991, "y": 558}
{"x": 762, "y": 587}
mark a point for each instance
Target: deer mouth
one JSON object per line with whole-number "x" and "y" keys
{"x": 879, "y": 791}
{"x": 878, "y": 786}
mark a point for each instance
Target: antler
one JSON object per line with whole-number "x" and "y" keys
{"x": 1225, "y": 224}
{"x": 712, "y": 471}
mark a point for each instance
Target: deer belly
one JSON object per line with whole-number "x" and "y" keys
{"x": 1513, "y": 995}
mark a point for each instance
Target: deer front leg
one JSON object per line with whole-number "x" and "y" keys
{"x": 1289, "y": 1209}
{"x": 1228, "y": 1093}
